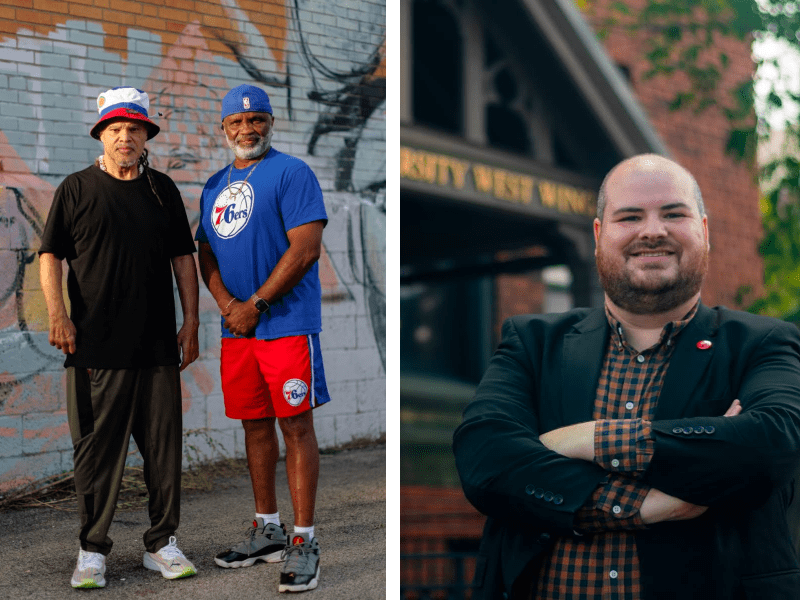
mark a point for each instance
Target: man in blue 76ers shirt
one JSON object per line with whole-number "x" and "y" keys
{"x": 260, "y": 237}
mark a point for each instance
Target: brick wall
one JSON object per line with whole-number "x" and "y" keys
{"x": 323, "y": 65}
{"x": 697, "y": 141}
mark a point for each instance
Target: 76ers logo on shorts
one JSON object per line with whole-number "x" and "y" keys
{"x": 232, "y": 209}
{"x": 295, "y": 391}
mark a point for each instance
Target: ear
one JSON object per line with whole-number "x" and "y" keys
{"x": 597, "y": 230}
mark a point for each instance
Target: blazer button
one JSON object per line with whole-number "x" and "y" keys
{"x": 677, "y": 430}
{"x": 710, "y": 429}
{"x": 538, "y": 493}
{"x": 699, "y": 429}
{"x": 544, "y": 538}
{"x": 548, "y": 496}
{"x": 687, "y": 430}
{"x": 558, "y": 499}
{"x": 529, "y": 489}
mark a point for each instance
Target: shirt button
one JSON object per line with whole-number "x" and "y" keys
{"x": 613, "y": 574}
{"x": 617, "y": 509}
{"x": 640, "y": 358}
{"x": 615, "y": 463}
{"x": 629, "y": 405}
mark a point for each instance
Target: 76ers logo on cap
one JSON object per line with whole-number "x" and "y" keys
{"x": 232, "y": 209}
{"x": 295, "y": 391}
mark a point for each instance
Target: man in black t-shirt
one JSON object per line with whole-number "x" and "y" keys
{"x": 122, "y": 228}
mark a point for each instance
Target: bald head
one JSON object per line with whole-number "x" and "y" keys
{"x": 644, "y": 164}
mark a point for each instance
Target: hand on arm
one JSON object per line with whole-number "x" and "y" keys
{"x": 186, "y": 277}
{"x": 63, "y": 333}
{"x": 578, "y": 441}
{"x": 240, "y": 317}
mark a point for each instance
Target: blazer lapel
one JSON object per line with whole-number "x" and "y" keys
{"x": 582, "y": 360}
{"x": 689, "y": 362}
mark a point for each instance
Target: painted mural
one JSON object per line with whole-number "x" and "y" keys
{"x": 324, "y": 67}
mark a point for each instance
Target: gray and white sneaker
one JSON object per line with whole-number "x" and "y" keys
{"x": 263, "y": 542}
{"x": 300, "y": 572}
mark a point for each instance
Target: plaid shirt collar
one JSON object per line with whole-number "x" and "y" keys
{"x": 668, "y": 333}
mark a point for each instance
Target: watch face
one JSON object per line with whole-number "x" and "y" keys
{"x": 262, "y": 305}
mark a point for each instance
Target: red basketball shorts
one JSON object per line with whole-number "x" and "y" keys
{"x": 272, "y": 378}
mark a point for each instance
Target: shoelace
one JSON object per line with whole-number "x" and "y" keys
{"x": 295, "y": 556}
{"x": 171, "y": 550}
{"x": 91, "y": 560}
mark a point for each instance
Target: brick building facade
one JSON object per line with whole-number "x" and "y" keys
{"x": 546, "y": 264}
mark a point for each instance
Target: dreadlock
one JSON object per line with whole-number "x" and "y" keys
{"x": 143, "y": 161}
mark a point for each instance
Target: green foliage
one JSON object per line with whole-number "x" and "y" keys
{"x": 683, "y": 37}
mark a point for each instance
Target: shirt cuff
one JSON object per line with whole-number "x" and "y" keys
{"x": 613, "y": 506}
{"x": 624, "y": 445}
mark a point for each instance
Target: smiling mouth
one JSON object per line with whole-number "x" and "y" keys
{"x": 651, "y": 254}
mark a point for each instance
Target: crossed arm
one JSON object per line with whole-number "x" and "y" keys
{"x": 578, "y": 441}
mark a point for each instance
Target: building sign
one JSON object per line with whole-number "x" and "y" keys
{"x": 502, "y": 184}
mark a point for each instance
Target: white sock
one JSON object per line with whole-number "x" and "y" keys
{"x": 273, "y": 518}
{"x": 308, "y": 530}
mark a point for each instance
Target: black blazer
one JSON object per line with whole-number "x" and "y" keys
{"x": 544, "y": 375}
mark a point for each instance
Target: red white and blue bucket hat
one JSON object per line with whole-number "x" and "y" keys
{"x": 124, "y": 103}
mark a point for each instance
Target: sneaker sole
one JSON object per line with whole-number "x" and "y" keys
{"x": 87, "y": 585}
{"x": 149, "y": 563}
{"x": 275, "y": 557}
{"x": 288, "y": 587}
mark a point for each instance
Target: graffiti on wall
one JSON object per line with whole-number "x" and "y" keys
{"x": 329, "y": 103}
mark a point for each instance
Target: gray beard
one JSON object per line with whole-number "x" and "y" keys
{"x": 250, "y": 153}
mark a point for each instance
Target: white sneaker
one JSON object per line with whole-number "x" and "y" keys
{"x": 170, "y": 561}
{"x": 90, "y": 570}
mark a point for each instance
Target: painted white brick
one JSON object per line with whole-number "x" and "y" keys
{"x": 10, "y": 436}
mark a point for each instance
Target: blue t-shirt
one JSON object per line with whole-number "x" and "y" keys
{"x": 246, "y": 225}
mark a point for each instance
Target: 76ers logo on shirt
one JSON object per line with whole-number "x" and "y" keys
{"x": 232, "y": 209}
{"x": 295, "y": 391}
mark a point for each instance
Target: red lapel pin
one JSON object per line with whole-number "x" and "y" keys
{"x": 704, "y": 344}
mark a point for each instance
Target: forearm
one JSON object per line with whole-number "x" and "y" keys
{"x": 50, "y": 274}
{"x": 305, "y": 247}
{"x": 209, "y": 270}
{"x": 291, "y": 268}
{"x": 188, "y": 289}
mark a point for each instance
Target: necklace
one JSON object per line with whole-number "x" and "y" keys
{"x": 102, "y": 164}
{"x": 241, "y": 187}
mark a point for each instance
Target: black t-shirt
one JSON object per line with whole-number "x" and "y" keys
{"x": 118, "y": 242}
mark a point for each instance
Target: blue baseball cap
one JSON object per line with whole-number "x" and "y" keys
{"x": 245, "y": 98}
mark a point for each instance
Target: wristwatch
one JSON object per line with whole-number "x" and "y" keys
{"x": 261, "y": 305}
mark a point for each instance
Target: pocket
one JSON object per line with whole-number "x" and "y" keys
{"x": 783, "y": 585}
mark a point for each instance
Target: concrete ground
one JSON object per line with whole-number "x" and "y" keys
{"x": 40, "y": 546}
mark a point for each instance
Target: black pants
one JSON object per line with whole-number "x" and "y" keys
{"x": 105, "y": 407}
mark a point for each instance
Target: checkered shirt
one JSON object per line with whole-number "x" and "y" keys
{"x": 601, "y": 562}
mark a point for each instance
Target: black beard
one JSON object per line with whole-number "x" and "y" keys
{"x": 645, "y": 301}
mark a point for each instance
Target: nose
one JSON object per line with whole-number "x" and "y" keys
{"x": 653, "y": 227}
